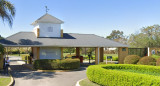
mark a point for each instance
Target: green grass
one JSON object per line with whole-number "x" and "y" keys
{"x": 17, "y": 54}
{"x": 114, "y": 56}
{"x": 4, "y": 81}
{"x": 156, "y": 56}
{"x": 87, "y": 82}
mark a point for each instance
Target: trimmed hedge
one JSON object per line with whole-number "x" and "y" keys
{"x": 158, "y": 62}
{"x": 124, "y": 75}
{"x": 147, "y": 60}
{"x": 131, "y": 59}
{"x": 48, "y": 64}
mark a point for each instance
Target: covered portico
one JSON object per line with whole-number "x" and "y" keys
{"x": 41, "y": 45}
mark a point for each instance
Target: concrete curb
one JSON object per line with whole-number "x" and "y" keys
{"x": 12, "y": 80}
{"x": 77, "y": 84}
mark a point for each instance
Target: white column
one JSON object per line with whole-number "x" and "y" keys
{"x": 148, "y": 51}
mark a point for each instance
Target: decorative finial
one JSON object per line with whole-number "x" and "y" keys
{"x": 46, "y": 9}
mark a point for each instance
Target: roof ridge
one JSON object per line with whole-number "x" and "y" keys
{"x": 36, "y": 21}
{"x": 81, "y": 33}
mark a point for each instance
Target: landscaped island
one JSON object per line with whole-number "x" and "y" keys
{"x": 124, "y": 75}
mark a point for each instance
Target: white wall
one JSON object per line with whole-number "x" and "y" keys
{"x": 50, "y": 53}
{"x": 35, "y": 29}
{"x": 44, "y": 30}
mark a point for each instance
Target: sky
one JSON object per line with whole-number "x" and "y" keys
{"x": 98, "y": 17}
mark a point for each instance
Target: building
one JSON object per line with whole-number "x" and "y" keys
{"x": 47, "y": 40}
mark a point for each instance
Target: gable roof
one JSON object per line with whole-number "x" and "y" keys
{"x": 69, "y": 40}
{"x": 47, "y": 18}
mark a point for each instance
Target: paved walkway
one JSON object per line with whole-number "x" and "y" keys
{"x": 25, "y": 77}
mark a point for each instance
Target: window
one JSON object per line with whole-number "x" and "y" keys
{"x": 123, "y": 49}
{"x": 50, "y": 29}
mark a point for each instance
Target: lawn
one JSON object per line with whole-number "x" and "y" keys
{"x": 17, "y": 54}
{"x": 5, "y": 81}
{"x": 87, "y": 82}
{"x": 156, "y": 56}
{"x": 114, "y": 56}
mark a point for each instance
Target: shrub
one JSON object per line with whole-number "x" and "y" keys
{"x": 131, "y": 59}
{"x": 158, "y": 62}
{"x": 1, "y": 49}
{"x": 70, "y": 55}
{"x": 1, "y": 56}
{"x": 147, "y": 60}
{"x": 124, "y": 75}
{"x": 25, "y": 57}
{"x": 48, "y": 64}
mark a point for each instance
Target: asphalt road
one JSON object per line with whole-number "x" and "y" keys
{"x": 25, "y": 77}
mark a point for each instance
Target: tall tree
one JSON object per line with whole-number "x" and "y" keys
{"x": 118, "y": 36}
{"x": 148, "y": 37}
{"x": 7, "y": 11}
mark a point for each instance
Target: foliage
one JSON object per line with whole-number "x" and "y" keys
{"x": 156, "y": 56}
{"x": 25, "y": 57}
{"x": 124, "y": 74}
{"x": 69, "y": 50}
{"x": 118, "y": 36}
{"x": 48, "y": 64}
{"x": 158, "y": 62}
{"x": 131, "y": 59}
{"x": 148, "y": 37}
{"x": 147, "y": 60}
{"x": 2, "y": 49}
{"x": 7, "y": 11}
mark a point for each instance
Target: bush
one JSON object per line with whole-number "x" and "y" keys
{"x": 1, "y": 56}
{"x": 1, "y": 49}
{"x": 124, "y": 75}
{"x": 147, "y": 60}
{"x": 131, "y": 59}
{"x": 158, "y": 62}
{"x": 70, "y": 55}
{"x": 48, "y": 64}
{"x": 25, "y": 57}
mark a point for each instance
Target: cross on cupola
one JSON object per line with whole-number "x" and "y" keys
{"x": 46, "y": 9}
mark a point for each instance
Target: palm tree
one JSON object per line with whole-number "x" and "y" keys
{"x": 7, "y": 11}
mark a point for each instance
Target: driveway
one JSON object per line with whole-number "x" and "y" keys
{"x": 25, "y": 77}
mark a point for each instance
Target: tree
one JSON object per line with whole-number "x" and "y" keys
{"x": 148, "y": 37}
{"x": 118, "y": 36}
{"x": 7, "y": 11}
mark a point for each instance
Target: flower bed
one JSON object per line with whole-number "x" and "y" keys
{"x": 124, "y": 75}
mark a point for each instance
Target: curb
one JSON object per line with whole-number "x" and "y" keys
{"x": 12, "y": 80}
{"x": 77, "y": 84}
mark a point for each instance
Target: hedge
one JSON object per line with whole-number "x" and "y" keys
{"x": 147, "y": 60}
{"x": 65, "y": 64}
{"x": 124, "y": 75}
{"x": 131, "y": 59}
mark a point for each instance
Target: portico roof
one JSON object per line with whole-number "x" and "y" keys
{"x": 29, "y": 39}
